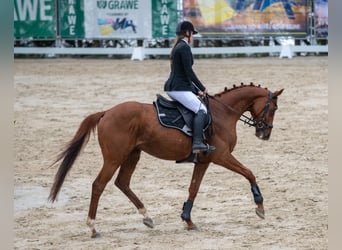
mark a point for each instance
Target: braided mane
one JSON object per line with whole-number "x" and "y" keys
{"x": 242, "y": 85}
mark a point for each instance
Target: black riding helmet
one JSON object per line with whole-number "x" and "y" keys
{"x": 185, "y": 26}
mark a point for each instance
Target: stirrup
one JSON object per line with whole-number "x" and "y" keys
{"x": 207, "y": 150}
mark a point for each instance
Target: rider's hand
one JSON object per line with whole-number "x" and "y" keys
{"x": 202, "y": 93}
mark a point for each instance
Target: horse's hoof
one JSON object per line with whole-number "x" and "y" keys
{"x": 148, "y": 222}
{"x": 95, "y": 235}
{"x": 192, "y": 228}
{"x": 260, "y": 213}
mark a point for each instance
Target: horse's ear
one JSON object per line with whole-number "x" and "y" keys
{"x": 278, "y": 92}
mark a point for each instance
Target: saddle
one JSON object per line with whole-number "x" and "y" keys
{"x": 172, "y": 114}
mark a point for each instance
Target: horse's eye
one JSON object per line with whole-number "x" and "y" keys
{"x": 272, "y": 111}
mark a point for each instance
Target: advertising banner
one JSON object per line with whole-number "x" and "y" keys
{"x": 120, "y": 19}
{"x": 34, "y": 19}
{"x": 321, "y": 18}
{"x": 164, "y": 18}
{"x": 241, "y": 18}
{"x": 71, "y": 15}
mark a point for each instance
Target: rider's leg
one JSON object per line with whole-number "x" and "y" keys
{"x": 200, "y": 121}
{"x": 191, "y": 101}
{"x": 188, "y": 100}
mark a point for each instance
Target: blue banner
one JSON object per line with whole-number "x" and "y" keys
{"x": 241, "y": 18}
{"x": 321, "y": 18}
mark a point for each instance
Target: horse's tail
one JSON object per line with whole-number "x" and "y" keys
{"x": 72, "y": 150}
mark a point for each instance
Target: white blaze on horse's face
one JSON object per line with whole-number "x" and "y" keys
{"x": 263, "y": 112}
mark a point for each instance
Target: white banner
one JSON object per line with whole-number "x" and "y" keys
{"x": 118, "y": 19}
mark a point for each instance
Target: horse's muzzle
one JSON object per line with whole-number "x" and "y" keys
{"x": 263, "y": 134}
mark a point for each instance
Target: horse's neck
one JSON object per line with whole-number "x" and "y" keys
{"x": 240, "y": 99}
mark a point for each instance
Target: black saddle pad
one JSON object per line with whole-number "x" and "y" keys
{"x": 172, "y": 114}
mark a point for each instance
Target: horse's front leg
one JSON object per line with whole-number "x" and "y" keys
{"x": 197, "y": 176}
{"x": 258, "y": 199}
{"x": 228, "y": 161}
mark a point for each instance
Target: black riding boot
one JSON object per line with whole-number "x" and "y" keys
{"x": 197, "y": 133}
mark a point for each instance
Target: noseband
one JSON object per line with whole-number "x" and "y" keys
{"x": 260, "y": 124}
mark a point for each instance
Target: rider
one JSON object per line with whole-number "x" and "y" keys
{"x": 184, "y": 86}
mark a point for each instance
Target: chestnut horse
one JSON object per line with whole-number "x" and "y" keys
{"x": 131, "y": 127}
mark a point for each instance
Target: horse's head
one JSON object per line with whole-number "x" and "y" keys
{"x": 263, "y": 111}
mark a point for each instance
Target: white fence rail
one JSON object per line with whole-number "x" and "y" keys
{"x": 140, "y": 52}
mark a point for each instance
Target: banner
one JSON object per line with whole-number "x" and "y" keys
{"x": 120, "y": 19}
{"x": 321, "y": 18}
{"x": 241, "y": 18}
{"x": 164, "y": 18}
{"x": 34, "y": 19}
{"x": 71, "y": 15}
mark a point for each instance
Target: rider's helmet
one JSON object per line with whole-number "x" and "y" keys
{"x": 185, "y": 26}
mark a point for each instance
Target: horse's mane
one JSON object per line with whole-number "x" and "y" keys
{"x": 242, "y": 85}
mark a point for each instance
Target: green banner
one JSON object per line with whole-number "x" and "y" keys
{"x": 34, "y": 19}
{"x": 71, "y": 14}
{"x": 164, "y": 18}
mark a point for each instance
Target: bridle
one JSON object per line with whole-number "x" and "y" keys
{"x": 260, "y": 124}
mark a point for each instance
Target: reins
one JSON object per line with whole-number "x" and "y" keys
{"x": 250, "y": 120}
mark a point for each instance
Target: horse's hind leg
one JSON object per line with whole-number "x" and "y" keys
{"x": 98, "y": 186}
{"x": 123, "y": 182}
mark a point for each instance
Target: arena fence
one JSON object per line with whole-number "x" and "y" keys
{"x": 69, "y": 27}
{"x": 140, "y": 53}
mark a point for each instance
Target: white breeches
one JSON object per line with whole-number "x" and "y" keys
{"x": 188, "y": 99}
